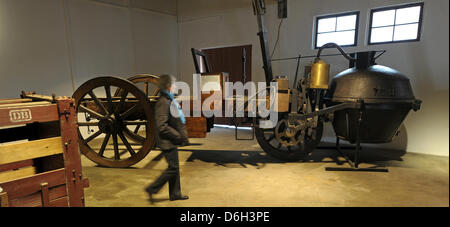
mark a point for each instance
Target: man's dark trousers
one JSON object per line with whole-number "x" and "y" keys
{"x": 171, "y": 174}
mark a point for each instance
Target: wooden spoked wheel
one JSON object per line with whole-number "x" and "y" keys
{"x": 149, "y": 85}
{"x": 104, "y": 118}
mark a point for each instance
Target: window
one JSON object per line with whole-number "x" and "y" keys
{"x": 396, "y": 24}
{"x": 341, "y": 29}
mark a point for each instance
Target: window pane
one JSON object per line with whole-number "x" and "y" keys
{"x": 408, "y": 15}
{"x": 340, "y": 38}
{"x": 406, "y": 32}
{"x": 323, "y": 39}
{"x": 345, "y": 38}
{"x": 381, "y": 34}
{"x": 383, "y": 18}
{"x": 327, "y": 25}
{"x": 346, "y": 23}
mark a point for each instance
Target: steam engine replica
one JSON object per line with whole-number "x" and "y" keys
{"x": 366, "y": 104}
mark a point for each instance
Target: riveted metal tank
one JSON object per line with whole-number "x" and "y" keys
{"x": 387, "y": 96}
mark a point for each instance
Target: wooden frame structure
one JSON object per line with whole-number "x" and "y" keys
{"x": 40, "y": 162}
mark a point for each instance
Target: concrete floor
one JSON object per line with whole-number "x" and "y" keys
{"x": 228, "y": 173}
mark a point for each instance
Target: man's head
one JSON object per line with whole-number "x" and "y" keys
{"x": 167, "y": 82}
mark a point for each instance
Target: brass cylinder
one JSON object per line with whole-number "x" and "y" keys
{"x": 320, "y": 72}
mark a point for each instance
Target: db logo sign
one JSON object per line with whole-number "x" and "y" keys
{"x": 20, "y": 115}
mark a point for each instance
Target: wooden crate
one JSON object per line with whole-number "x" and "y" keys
{"x": 196, "y": 127}
{"x": 40, "y": 163}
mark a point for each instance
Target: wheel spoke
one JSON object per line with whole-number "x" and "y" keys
{"x": 116, "y": 147}
{"x": 129, "y": 111}
{"x": 136, "y": 130}
{"x": 146, "y": 89}
{"x": 271, "y": 138}
{"x": 155, "y": 93}
{"x": 108, "y": 97}
{"x": 105, "y": 142}
{"x": 122, "y": 101}
{"x": 93, "y": 136}
{"x": 84, "y": 124}
{"x": 134, "y": 122}
{"x": 92, "y": 112}
{"x": 127, "y": 144}
{"x": 99, "y": 104}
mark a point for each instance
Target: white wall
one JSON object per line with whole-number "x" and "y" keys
{"x": 216, "y": 23}
{"x": 33, "y": 51}
{"x": 47, "y": 45}
{"x": 209, "y": 23}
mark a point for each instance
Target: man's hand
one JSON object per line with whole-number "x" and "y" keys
{"x": 185, "y": 142}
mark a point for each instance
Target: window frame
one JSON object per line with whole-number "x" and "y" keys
{"x": 316, "y": 29}
{"x": 397, "y": 7}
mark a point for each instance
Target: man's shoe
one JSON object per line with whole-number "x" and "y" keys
{"x": 151, "y": 198}
{"x": 150, "y": 195}
{"x": 183, "y": 197}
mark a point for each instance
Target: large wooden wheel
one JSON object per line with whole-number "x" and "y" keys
{"x": 284, "y": 143}
{"x": 149, "y": 85}
{"x": 106, "y": 108}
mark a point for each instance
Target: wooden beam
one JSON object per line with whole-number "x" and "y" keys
{"x": 4, "y": 201}
{"x": 35, "y": 199}
{"x": 27, "y": 113}
{"x": 30, "y": 150}
{"x": 45, "y": 195}
{"x": 27, "y": 104}
{"x": 10, "y": 101}
{"x": 29, "y": 185}
{"x": 16, "y": 174}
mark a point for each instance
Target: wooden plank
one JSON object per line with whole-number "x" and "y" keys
{"x": 10, "y": 101}
{"x": 72, "y": 159}
{"x": 29, "y": 185}
{"x": 21, "y": 115}
{"x": 15, "y": 165}
{"x": 17, "y": 174}
{"x": 61, "y": 202}
{"x": 4, "y": 201}
{"x": 35, "y": 200}
{"x": 38, "y": 97}
{"x": 27, "y": 104}
{"x": 45, "y": 195}
{"x": 85, "y": 183}
{"x": 30, "y": 150}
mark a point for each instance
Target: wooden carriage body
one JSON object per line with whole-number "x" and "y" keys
{"x": 40, "y": 162}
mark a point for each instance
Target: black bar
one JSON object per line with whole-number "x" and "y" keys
{"x": 347, "y": 105}
{"x": 260, "y": 10}
{"x": 344, "y": 169}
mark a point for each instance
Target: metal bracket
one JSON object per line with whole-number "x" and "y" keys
{"x": 302, "y": 117}
{"x": 355, "y": 163}
{"x": 236, "y": 125}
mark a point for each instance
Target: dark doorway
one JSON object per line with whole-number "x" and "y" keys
{"x": 233, "y": 60}
{"x": 230, "y": 59}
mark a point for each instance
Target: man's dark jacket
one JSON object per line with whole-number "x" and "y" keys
{"x": 170, "y": 131}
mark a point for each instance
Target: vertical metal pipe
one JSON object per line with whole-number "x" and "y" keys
{"x": 260, "y": 11}
{"x": 244, "y": 64}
